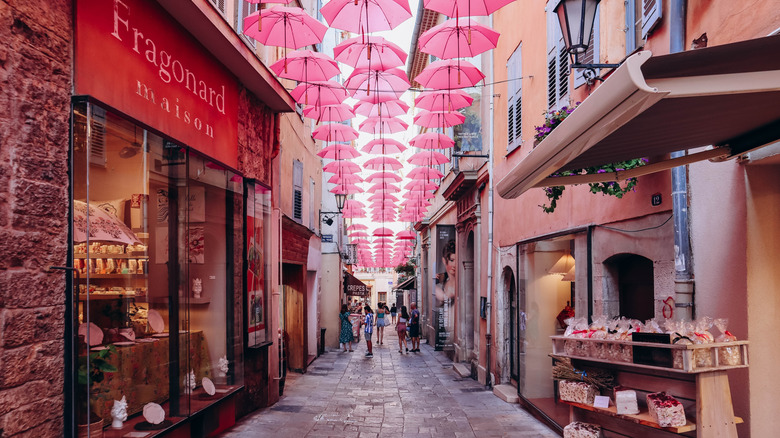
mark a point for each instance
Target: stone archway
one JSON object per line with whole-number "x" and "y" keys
{"x": 508, "y": 326}
{"x": 468, "y": 334}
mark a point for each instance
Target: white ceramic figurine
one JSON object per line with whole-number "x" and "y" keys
{"x": 119, "y": 413}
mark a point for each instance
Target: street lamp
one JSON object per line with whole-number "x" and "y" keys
{"x": 340, "y": 199}
{"x": 576, "y": 18}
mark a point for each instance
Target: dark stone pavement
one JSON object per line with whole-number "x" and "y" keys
{"x": 389, "y": 395}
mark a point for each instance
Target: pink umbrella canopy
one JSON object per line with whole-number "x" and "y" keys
{"x": 383, "y": 146}
{"x": 391, "y": 108}
{"x": 419, "y": 184}
{"x": 306, "y": 65}
{"x": 431, "y": 140}
{"x": 341, "y": 166}
{"x": 428, "y": 158}
{"x": 438, "y": 119}
{"x": 443, "y": 100}
{"x": 357, "y": 227}
{"x": 319, "y": 93}
{"x": 472, "y": 8}
{"x": 335, "y": 132}
{"x": 357, "y": 234}
{"x": 361, "y": 241}
{"x": 346, "y": 189}
{"x": 353, "y": 214}
{"x": 373, "y": 52}
{"x": 383, "y": 125}
{"x": 448, "y": 74}
{"x": 346, "y": 178}
{"x": 383, "y": 204}
{"x": 455, "y": 38}
{"x": 392, "y": 82}
{"x": 383, "y": 177}
{"x": 366, "y": 16}
{"x": 406, "y": 235}
{"x": 329, "y": 113}
{"x": 353, "y": 203}
{"x": 382, "y": 196}
{"x": 286, "y": 27}
{"x": 384, "y": 187}
{"x": 425, "y": 173}
{"x": 383, "y": 163}
{"x": 338, "y": 151}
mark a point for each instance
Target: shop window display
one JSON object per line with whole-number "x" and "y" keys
{"x": 157, "y": 244}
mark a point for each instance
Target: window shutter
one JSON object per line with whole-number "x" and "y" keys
{"x": 297, "y": 190}
{"x": 510, "y": 124}
{"x": 514, "y": 105}
{"x": 97, "y": 137}
{"x": 591, "y": 56}
{"x": 563, "y": 73}
{"x": 219, "y": 4}
{"x": 651, "y": 15}
{"x": 552, "y": 79}
{"x": 519, "y": 117}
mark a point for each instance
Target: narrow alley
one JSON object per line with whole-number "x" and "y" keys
{"x": 389, "y": 395}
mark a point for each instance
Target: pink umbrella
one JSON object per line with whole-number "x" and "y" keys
{"x": 357, "y": 234}
{"x": 352, "y": 203}
{"x": 391, "y": 108}
{"x": 346, "y": 189}
{"x": 428, "y": 158}
{"x": 357, "y": 227}
{"x": 431, "y": 140}
{"x": 386, "y": 187}
{"x": 383, "y": 204}
{"x": 392, "y": 82}
{"x": 306, "y": 65}
{"x": 438, "y": 119}
{"x": 341, "y": 166}
{"x": 366, "y": 16}
{"x": 383, "y": 163}
{"x": 346, "y": 178}
{"x": 383, "y": 177}
{"x": 319, "y": 93}
{"x": 406, "y": 235}
{"x": 419, "y": 184}
{"x": 471, "y": 8}
{"x": 382, "y": 196}
{"x": 448, "y": 74}
{"x": 335, "y": 132}
{"x": 329, "y": 113}
{"x": 284, "y": 2}
{"x": 369, "y": 51}
{"x": 353, "y": 214}
{"x": 383, "y": 232}
{"x": 361, "y": 241}
{"x": 446, "y": 100}
{"x": 425, "y": 173}
{"x": 286, "y": 27}
{"x": 338, "y": 151}
{"x": 458, "y": 39}
{"x": 380, "y": 125}
{"x": 418, "y": 195}
{"x": 383, "y": 146}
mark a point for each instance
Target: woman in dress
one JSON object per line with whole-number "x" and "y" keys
{"x": 401, "y": 329}
{"x": 380, "y": 323}
{"x": 346, "y": 336}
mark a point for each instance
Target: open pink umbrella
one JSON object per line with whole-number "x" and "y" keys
{"x": 406, "y": 235}
{"x": 385, "y": 187}
{"x": 306, "y": 65}
{"x": 418, "y": 195}
{"x": 419, "y": 184}
{"x": 383, "y": 146}
{"x": 383, "y": 177}
{"x": 438, "y": 119}
{"x": 361, "y": 241}
{"x": 335, "y": 132}
{"x": 346, "y": 178}
{"x": 455, "y": 38}
{"x": 353, "y": 213}
{"x": 341, "y": 166}
{"x": 383, "y": 203}
{"x": 383, "y": 163}
{"x": 391, "y": 108}
{"x": 425, "y": 173}
{"x": 346, "y": 189}
{"x": 392, "y": 82}
{"x": 443, "y": 100}
{"x": 448, "y": 74}
{"x": 319, "y": 93}
{"x": 329, "y": 113}
{"x": 338, "y": 151}
{"x": 431, "y": 140}
{"x": 357, "y": 234}
{"x": 370, "y": 51}
{"x": 366, "y": 16}
{"x": 428, "y": 158}
{"x": 286, "y": 27}
{"x": 415, "y": 203}
{"x": 357, "y": 227}
{"x": 382, "y": 232}
{"x": 383, "y": 125}
{"x": 382, "y": 196}
{"x": 471, "y": 8}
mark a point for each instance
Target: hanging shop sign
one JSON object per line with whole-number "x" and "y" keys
{"x": 444, "y": 289}
{"x": 354, "y": 287}
{"x": 133, "y": 56}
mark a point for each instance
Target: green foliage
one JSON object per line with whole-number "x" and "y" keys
{"x": 97, "y": 366}
{"x": 405, "y": 271}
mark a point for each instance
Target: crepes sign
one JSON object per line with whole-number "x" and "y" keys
{"x": 354, "y": 287}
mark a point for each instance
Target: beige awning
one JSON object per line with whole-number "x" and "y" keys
{"x": 727, "y": 96}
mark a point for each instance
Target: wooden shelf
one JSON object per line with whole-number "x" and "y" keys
{"x": 642, "y": 418}
{"x": 111, "y": 296}
{"x": 101, "y": 255}
{"x": 114, "y": 276}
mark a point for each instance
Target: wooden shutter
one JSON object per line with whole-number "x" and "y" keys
{"x": 297, "y": 190}
{"x": 97, "y": 137}
{"x": 651, "y": 15}
{"x": 514, "y": 100}
{"x": 220, "y": 5}
{"x": 591, "y": 56}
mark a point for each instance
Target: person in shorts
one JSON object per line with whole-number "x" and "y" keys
{"x": 394, "y": 314}
{"x": 368, "y": 323}
{"x": 414, "y": 328}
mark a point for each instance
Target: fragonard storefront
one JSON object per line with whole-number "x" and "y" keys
{"x": 169, "y": 241}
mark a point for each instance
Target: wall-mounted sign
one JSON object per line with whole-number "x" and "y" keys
{"x": 656, "y": 199}
{"x": 354, "y": 287}
{"x": 327, "y": 238}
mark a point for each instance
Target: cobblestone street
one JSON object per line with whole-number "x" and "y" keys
{"x": 389, "y": 395}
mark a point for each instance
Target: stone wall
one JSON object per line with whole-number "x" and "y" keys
{"x": 258, "y": 139}
{"x": 35, "y": 85}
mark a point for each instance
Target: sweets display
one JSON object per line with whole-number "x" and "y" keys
{"x": 579, "y": 429}
{"x": 727, "y": 355}
{"x": 577, "y": 392}
{"x": 665, "y": 410}
{"x": 625, "y": 401}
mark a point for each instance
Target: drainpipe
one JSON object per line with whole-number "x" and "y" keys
{"x": 489, "y": 294}
{"x": 684, "y": 283}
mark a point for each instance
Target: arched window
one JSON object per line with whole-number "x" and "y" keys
{"x": 631, "y": 276}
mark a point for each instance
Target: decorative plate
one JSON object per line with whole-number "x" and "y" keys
{"x": 154, "y": 413}
{"x": 95, "y": 333}
{"x": 124, "y": 344}
{"x": 208, "y": 386}
{"x": 156, "y": 322}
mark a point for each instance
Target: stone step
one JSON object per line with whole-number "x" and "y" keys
{"x": 462, "y": 369}
{"x": 507, "y": 393}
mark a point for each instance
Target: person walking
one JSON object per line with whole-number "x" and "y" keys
{"x": 368, "y": 322}
{"x": 394, "y": 314}
{"x": 414, "y": 328}
{"x": 381, "y": 322}
{"x": 346, "y": 336}
{"x": 400, "y": 328}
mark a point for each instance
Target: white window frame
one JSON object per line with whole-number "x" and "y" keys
{"x": 556, "y": 52}
{"x": 220, "y": 6}
{"x": 251, "y": 8}
{"x": 514, "y": 68}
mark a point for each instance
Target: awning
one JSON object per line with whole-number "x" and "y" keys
{"x": 726, "y": 96}
{"x": 406, "y": 284}
{"x": 354, "y": 287}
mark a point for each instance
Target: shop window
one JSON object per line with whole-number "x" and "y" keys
{"x": 631, "y": 277}
{"x": 155, "y": 231}
{"x": 258, "y": 220}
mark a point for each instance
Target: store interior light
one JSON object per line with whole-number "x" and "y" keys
{"x": 563, "y": 265}
{"x": 569, "y": 276}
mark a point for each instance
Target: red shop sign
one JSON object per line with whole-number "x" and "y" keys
{"x": 136, "y": 58}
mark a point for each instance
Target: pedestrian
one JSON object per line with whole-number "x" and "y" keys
{"x": 414, "y": 328}
{"x": 380, "y": 323}
{"x": 346, "y": 336}
{"x": 394, "y": 314}
{"x": 368, "y": 322}
{"x": 400, "y": 328}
